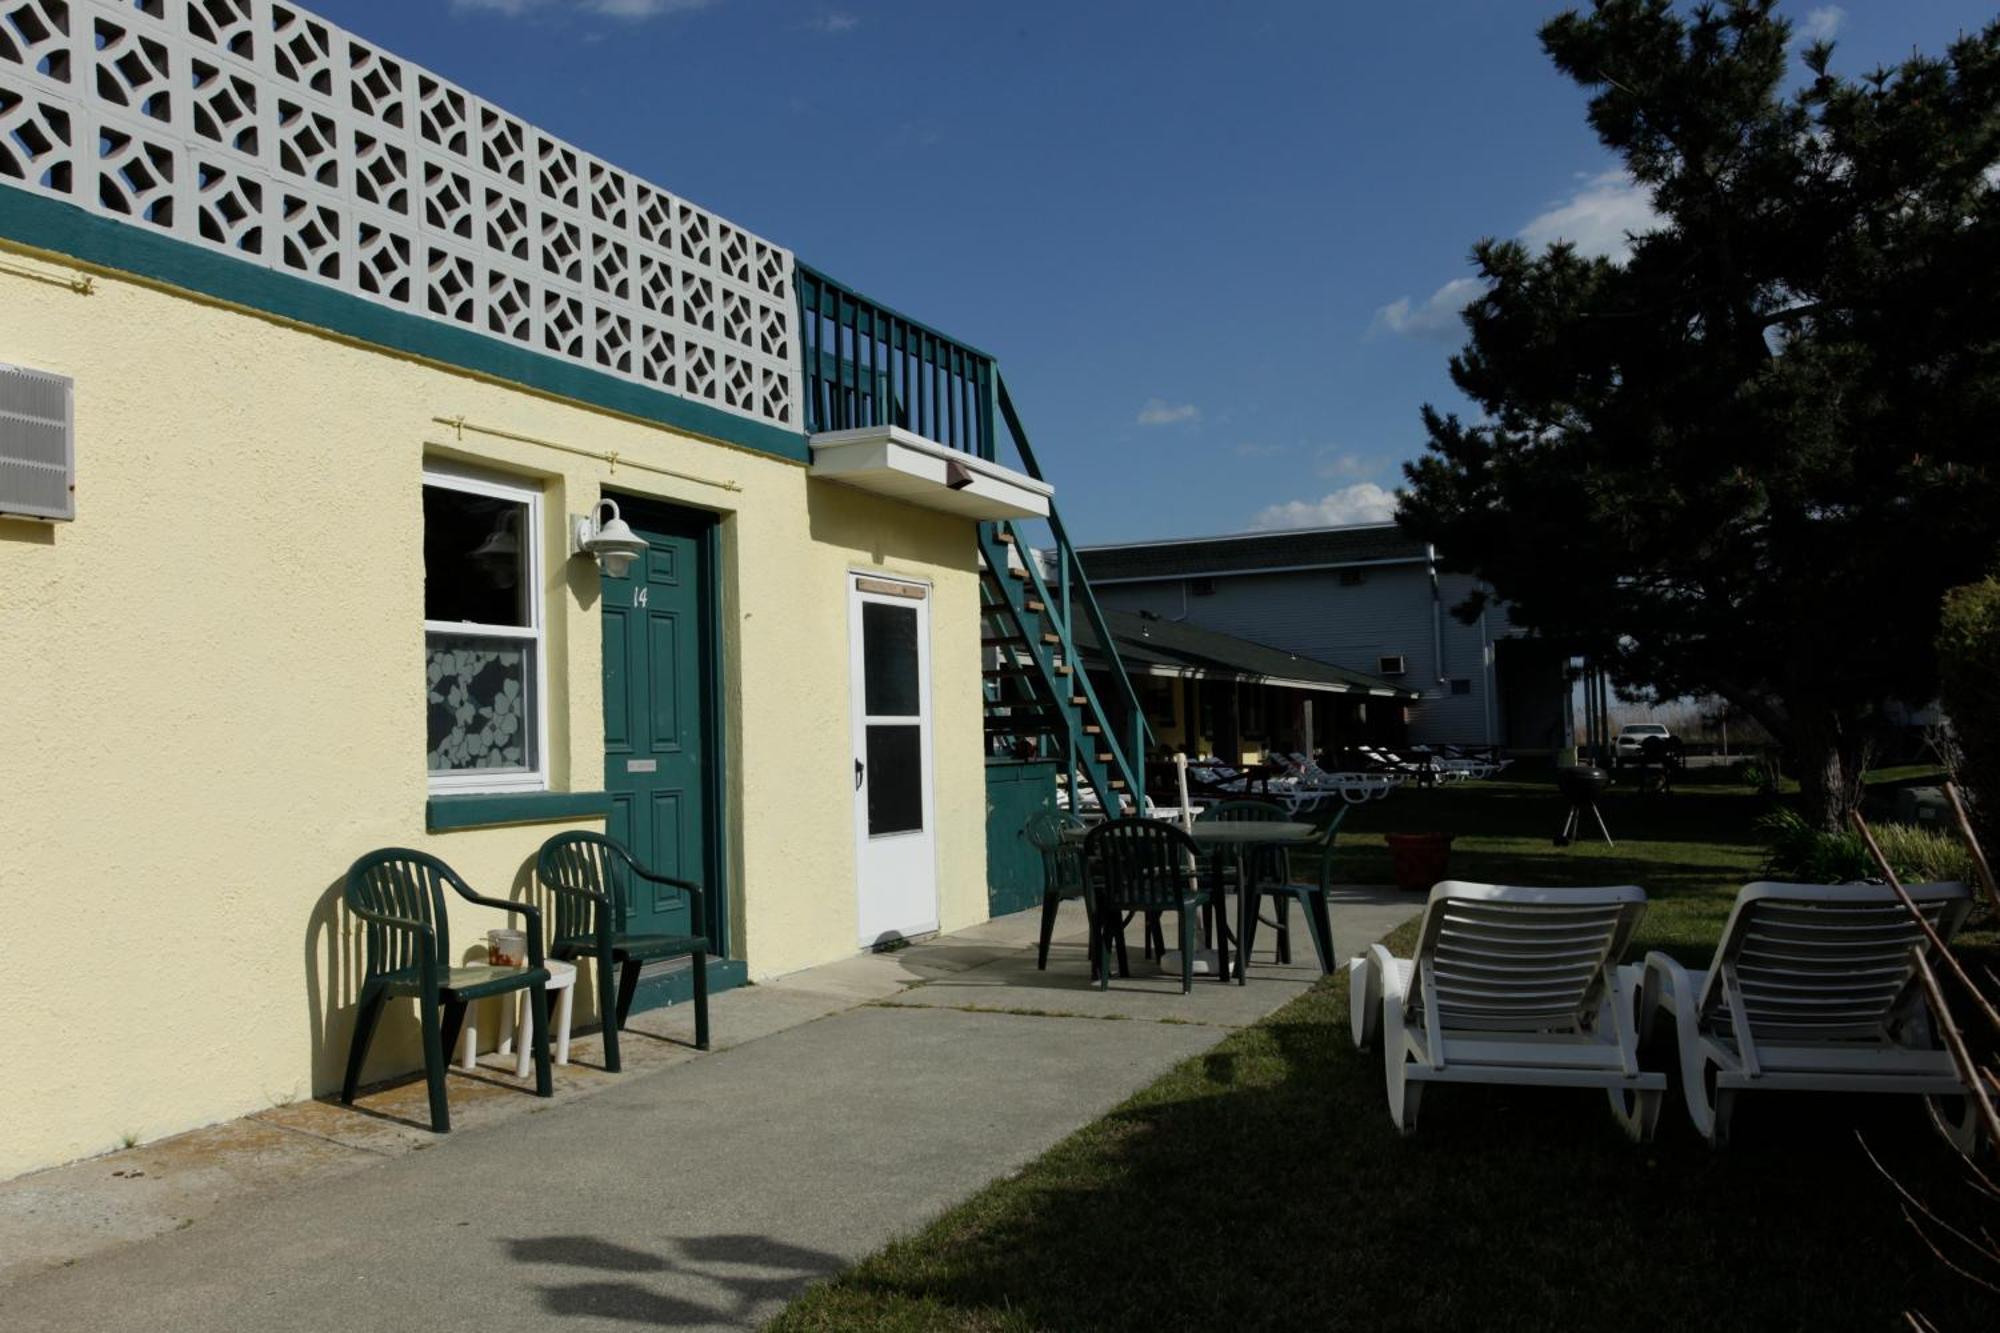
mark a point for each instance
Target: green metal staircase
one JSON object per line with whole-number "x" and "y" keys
{"x": 1038, "y": 690}
{"x": 866, "y": 365}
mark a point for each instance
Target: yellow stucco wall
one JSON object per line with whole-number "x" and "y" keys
{"x": 210, "y": 699}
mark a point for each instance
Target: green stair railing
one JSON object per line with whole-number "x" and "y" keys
{"x": 867, "y": 365}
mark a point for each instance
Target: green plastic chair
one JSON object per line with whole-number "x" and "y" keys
{"x": 1064, "y": 875}
{"x": 1149, "y": 867}
{"x": 591, "y": 876}
{"x": 1267, "y": 865}
{"x": 1310, "y": 896}
{"x": 399, "y": 895}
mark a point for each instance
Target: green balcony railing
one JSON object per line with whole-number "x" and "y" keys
{"x": 866, "y": 365}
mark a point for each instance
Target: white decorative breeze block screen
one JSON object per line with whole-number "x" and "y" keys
{"x": 258, "y": 129}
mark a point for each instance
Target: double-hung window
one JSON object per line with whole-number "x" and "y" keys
{"x": 483, "y": 652}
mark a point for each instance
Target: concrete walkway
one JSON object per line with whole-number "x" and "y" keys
{"x": 845, "y": 1106}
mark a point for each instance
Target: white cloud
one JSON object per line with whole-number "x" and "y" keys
{"x": 617, "y": 9}
{"x": 1339, "y": 463}
{"x": 834, "y": 21}
{"x": 1819, "y": 25}
{"x": 1595, "y": 217}
{"x": 1435, "y": 318}
{"x": 1363, "y": 502}
{"x": 1159, "y": 412}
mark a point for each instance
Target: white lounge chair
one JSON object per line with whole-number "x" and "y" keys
{"x": 1812, "y": 988}
{"x": 1511, "y": 985}
{"x": 1355, "y": 788}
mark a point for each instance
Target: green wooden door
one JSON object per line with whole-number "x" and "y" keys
{"x": 659, "y": 741}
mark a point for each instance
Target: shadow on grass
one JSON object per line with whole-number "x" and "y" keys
{"x": 1533, "y": 810}
{"x": 1262, "y": 1186}
{"x": 1690, "y": 850}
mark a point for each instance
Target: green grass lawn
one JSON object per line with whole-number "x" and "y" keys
{"x": 1262, "y": 1185}
{"x": 1904, "y": 775}
{"x": 1690, "y": 849}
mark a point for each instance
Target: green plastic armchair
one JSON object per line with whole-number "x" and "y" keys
{"x": 398, "y": 894}
{"x": 1063, "y": 870}
{"x": 1311, "y": 896}
{"x": 1148, "y": 867}
{"x": 591, "y": 877}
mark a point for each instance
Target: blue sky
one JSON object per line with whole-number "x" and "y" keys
{"x": 1217, "y": 248}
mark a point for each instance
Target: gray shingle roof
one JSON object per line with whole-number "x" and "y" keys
{"x": 1298, "y": 548}
{"x": 1145, "y": 640}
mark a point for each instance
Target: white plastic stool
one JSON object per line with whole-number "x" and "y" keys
{"x": 562, "y": 990}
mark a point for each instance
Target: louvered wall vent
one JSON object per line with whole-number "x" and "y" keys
{"x": 37, "y": 445}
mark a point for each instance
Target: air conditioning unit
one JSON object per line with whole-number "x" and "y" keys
{"x": 1390, "y": 664}
{"x": 37, "y": 445}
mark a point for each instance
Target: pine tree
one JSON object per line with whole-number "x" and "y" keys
{"x": 1747, "y": 458}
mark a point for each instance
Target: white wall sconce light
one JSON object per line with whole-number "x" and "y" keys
{"x": 607, "y": 540}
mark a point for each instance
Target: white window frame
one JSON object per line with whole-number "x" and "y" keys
{"x": 471, "y": 781}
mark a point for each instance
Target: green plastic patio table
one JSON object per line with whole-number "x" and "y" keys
{"x": 1241, "y": 838}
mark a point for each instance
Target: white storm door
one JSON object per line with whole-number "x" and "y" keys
{"x": 895, "y": 841}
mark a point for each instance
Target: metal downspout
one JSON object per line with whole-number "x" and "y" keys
{"x": 1437, "y": 614}
{"x": 1487, "y": 687}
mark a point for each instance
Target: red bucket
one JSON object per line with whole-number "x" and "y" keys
{"x": 1420, "y": 859}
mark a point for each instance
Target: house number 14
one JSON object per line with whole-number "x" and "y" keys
{"x": 639, "y": 597}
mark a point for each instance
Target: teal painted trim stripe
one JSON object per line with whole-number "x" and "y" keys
{"x": 677, "y": 986}
{"x": 487, "y": 809}
{"x": 50, "y": 224}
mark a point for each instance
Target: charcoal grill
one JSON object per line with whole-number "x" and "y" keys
{"x": 1581, "y": 785}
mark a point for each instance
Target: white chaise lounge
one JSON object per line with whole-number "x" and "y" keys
{"x": 1812, "y": 988}
{"x": 1511, "y": 985}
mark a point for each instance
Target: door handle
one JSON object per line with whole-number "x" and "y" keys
{"x": 860, "y": 769}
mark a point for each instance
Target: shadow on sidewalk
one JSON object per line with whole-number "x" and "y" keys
{"x": 749, "y": 1274}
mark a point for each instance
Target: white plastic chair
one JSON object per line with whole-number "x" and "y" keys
{"x": 1511, "y": 985}
{"x": 1812, "y": 988}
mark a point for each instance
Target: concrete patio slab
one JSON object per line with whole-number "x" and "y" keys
{"x": 1014, "y": 985}
{"x": 1010, "y": 981}
{"x": 53, "y": 1218}
{"x": 702, "y": 1200}
{"x": 841, "y": 1107}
